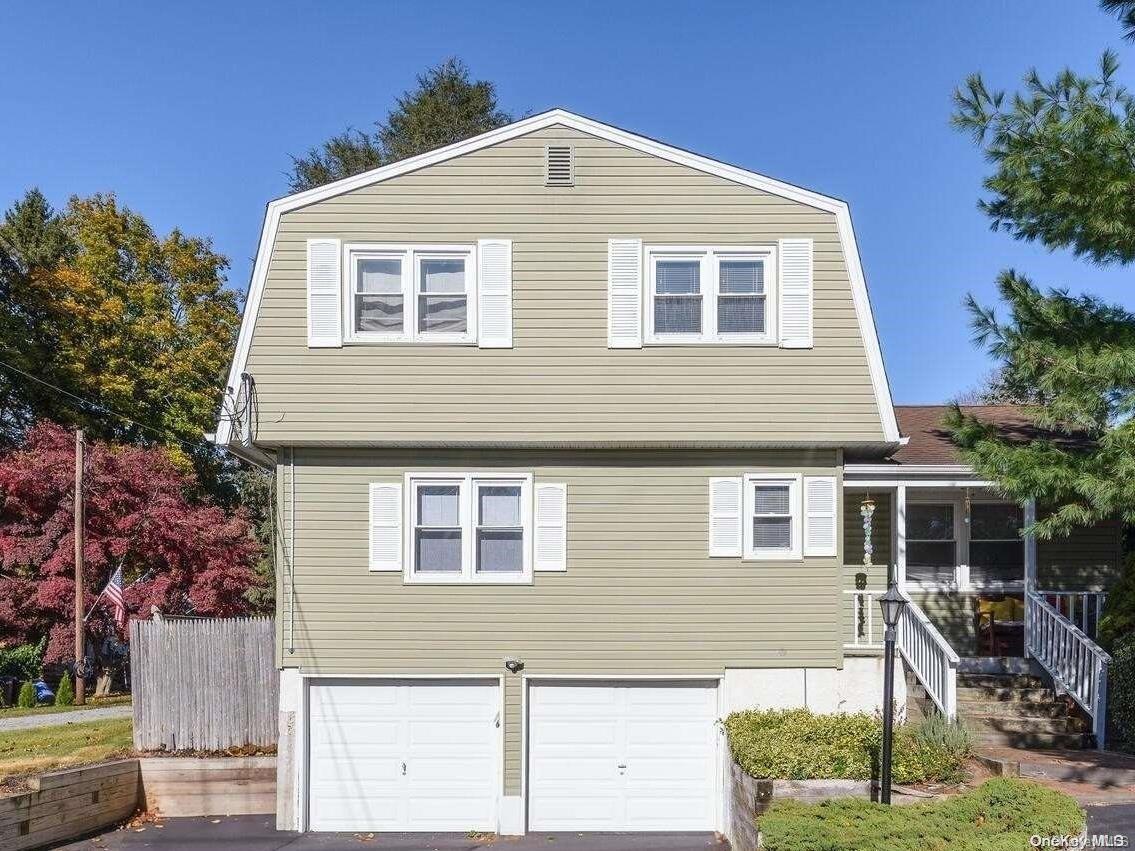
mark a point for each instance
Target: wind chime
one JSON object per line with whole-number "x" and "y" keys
{"x": 867, "y": 510}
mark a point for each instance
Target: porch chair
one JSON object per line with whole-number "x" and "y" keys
{"x": 999, "y": 621}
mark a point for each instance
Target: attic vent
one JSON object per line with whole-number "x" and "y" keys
{"x": 558, "y": 166}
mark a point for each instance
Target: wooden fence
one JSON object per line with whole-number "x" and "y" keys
{"x": 205, "y": 685}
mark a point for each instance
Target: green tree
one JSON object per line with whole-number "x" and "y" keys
{"x": 1063, "y": 158}
{"x": 65, "y": 692}
{"x": 98, "y": 304}
{"x": 26, "y": 698}
{"x": 446, "y": 107}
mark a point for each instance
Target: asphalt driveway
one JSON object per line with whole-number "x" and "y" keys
{"x": 258, "y": 833}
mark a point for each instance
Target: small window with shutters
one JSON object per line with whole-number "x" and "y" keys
{"x": 559, "y": 165}
{"x": 772, "y": 520}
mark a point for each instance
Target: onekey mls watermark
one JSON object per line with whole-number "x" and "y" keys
{"x": 1084, "y": 841}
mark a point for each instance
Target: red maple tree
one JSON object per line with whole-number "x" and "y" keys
{"x": 191, "y": 556}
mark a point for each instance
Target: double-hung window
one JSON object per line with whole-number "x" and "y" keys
{"x": 931, "y": 542}
{"x": 996, "y": 548}
{"x": 772, "y": 512}
{"x": 469, "y": 528}
{"x": 710, "y": 295}
{"x": 404, "y": 294}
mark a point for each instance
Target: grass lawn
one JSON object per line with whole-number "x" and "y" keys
{"x": 1000, "y": 815}
{"x": 17, "y": 712}
{"x": 59, "y": 746}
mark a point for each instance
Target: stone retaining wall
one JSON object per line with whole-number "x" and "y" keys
{"x": 68, "y": 804}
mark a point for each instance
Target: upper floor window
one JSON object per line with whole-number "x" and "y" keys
{"x": 411, "y": 293}
{"x": 772, "y": 514}
{"x": 470, "y": 528}
{"x": 710, "y": 295}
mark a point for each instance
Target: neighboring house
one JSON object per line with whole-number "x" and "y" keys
{"x": 570, "y": 430}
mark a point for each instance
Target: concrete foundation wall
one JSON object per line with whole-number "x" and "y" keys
{"x": 856, "y": 687}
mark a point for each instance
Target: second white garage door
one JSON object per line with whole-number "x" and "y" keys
{"x": 630, "y": 755}
{"x": 403, "y": 755}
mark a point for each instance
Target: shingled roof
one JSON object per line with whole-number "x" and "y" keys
{"x": 930, "y": 441}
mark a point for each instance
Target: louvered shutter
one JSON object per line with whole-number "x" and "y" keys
{"x": 624, "y": 294}
{"x": 385, "y": 526}
{"x": 324, "y": 294}
{"x": 796, "y": 293}
{"x": 820, "y": 525}
{"x": 494, "y": 293}
{"x": 551, "y": 527}
{"x": 725, "y": 516}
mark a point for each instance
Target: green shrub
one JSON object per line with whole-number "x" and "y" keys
{"x": 26, "y": 700}
{"x": 1121, "y": 697}
{"x": 796, "y": 744}
{"x": 65, "y": 693}
{"x": 1000, "y": 815}
{"x": 23, "y": 661}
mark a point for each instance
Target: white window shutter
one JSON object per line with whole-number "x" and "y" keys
{"x": 494, "y": 293}
{"x": 796, "y": 293}
{"x": 624, "y": 293}
{"x": 385, "y": 526}
{"x": 551, "y": 527}
{"x": 725, "y": 516}
{"x": 324, "y": 294}
{"x": 820, "y": 521}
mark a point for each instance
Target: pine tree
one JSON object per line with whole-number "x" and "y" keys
{"x": 65, "y": 693}
{"x": 26, "y": 700}
{"x": 446, "y": 107}
{"x": 1063, "y": 176}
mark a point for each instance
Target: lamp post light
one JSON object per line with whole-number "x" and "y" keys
{"x": 892, "y": 603}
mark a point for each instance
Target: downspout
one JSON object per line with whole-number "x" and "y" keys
{"x": 291, "y": 548}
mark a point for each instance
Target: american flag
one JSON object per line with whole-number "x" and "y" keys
{"x": 113, "y": 593}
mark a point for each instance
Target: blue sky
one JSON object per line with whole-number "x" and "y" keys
{"x": 189, "y": 112}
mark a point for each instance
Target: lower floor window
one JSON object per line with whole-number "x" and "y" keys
{"x": 996, "y": 548}
{"x": 931, "y": 547}
{"x": 470, "y": 528}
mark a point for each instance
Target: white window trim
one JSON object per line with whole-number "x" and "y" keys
{"x": 410, "y": 255}
{"x": 467, "y": 482}
{"x": 962, "y": 582}
{"x": 796, "y": 506}
{"x": 710, "y": 258}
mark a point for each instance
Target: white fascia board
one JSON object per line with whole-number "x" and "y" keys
{"x": 612, "y": 134}
{"x": 907, "y": 469}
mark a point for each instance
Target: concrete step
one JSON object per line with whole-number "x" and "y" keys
{"x": 969, "y": 680}
{"x": 1032, "y": 741}
{"x": 1002, "y": 724}
{"x": 1013, "y": 709}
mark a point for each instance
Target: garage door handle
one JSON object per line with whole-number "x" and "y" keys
{"x": 622, "y": 766}
{"x": 403, "y": 769}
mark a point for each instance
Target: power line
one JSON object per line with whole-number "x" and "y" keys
{"x": 104, "y": 409}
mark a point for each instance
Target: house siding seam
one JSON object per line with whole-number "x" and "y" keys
{"x": 560, "y": 382}
{"x": 640, "y": 597}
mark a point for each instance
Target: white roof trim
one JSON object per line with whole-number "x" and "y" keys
{"x": 603, "y": 131}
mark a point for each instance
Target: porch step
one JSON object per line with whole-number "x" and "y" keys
{"x": 1012, "y": 708}
{"x": 980, "y": 724}
{"x": 993, "y": 694}
{"x": 1034, "y": 741}
{"x": 1014, "y": 681}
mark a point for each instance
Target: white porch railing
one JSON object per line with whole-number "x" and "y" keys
{"x": 930, "y": 657}
{"x": 1083, "y": 608}
{"x": 866, "y": 620}
{"x": 1076, "y": 663}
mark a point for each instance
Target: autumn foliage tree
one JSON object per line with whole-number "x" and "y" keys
{"x": 193, "y": 558}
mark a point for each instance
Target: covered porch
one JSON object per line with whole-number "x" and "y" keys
{"x": 956, "y": 548}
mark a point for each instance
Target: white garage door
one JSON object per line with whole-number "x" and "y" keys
{"x": 622, "y": 756}
{"x": 404, "y": 755}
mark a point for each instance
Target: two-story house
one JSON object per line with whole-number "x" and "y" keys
{"x": 565, "y": 423}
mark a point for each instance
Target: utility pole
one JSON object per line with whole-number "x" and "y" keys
{"x": 80, "y": 638}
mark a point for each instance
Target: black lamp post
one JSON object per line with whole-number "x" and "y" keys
{"x": 893, "y": 603}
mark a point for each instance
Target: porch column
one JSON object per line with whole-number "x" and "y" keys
{"x": 1029, "y": 511}
{"x": 900, "y": 536}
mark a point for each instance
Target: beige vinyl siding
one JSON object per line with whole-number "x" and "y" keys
{"x": 560, "y": 382}
{"x": 640, "y": 595}
{"x": 1089, "y": 558}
